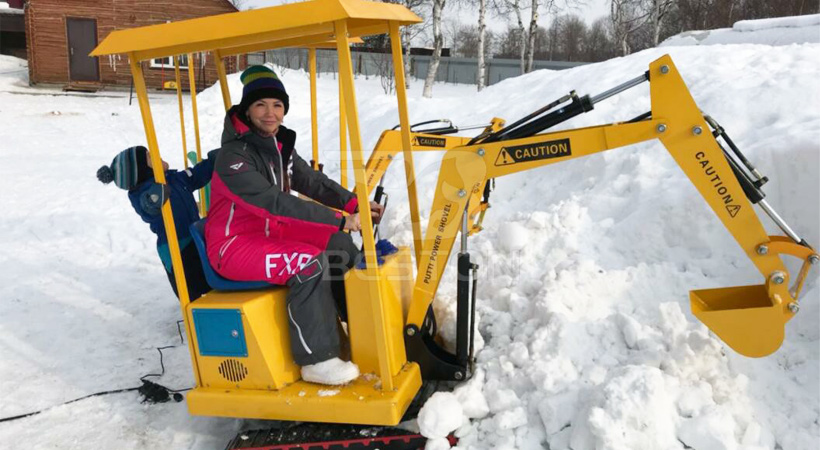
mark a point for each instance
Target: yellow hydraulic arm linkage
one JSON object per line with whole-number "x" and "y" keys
{"x": 750, "y": 319}
{"x": 439, "y": 139}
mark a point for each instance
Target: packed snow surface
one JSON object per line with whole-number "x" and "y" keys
{"x": 587, "y": 339}
{"x": 778, "y": 31}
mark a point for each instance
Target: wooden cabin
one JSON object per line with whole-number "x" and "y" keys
{"x": 61, "y": 33}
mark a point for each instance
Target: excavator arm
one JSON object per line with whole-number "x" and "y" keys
{"x": 440, "y": 139}
{"x": 749, "y": 319}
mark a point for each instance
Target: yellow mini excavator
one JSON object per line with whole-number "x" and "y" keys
{"x": 238, "y": 337}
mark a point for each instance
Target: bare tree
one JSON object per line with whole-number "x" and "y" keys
{"x": 658, "y": 11}
{"x": 482, "y": 68}
{"x": 626, "y": 16}
{"x": 384, "y": 67}
{"x": 507, "y": 8}
{"x": 453, "y": 32}
{"x": 411, "y": 32}
{"x": 549, "y": 41}
{"x": 438, "y": 43}
{"x": 572, "y": 37}
{"x": 466, "y": 42}
{"x": 598, "y": 45}
{"x": 237, "y": 3}
{"x": 534, "y": 6}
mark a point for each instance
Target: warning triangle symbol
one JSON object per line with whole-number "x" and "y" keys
{"x": 504, "y": 158}
{"x": 733, "y": 209}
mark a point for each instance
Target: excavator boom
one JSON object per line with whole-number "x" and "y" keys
{"x": 750, "y": 319}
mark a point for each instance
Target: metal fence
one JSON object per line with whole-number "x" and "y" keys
{"x": 450, "y": 70}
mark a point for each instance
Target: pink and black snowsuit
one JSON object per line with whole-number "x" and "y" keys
{"x": 257, "y": 230}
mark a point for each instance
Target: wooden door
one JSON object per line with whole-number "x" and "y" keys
{"x": 82, "y": 39}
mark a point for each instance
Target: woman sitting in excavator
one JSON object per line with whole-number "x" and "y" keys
{"x": 257, "y": 230}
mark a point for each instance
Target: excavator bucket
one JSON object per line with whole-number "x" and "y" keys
{"x": 744, "y": 317}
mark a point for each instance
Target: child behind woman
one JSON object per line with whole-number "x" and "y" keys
{"x": 131, "y": 170}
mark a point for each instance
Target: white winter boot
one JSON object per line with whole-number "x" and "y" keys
{"x": 334, "y": 371}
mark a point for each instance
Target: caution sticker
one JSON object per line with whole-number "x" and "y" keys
{"x": 533, "y": 152}
{"x": 423, "y": 141}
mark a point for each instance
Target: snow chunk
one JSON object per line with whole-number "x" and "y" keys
{"x": 509, "y": 420}
{"x": 713, "y": 430}
{"x": 694, "y": 399}
{"x": 440, "y": 415}
{"x": 502, "y": 400}
{"x": 473, "y": 403}
{"x": 634, "y": 409}
{"x": 513, "y": 236}
{"x": 556, "y": 411}
{"x": 437, "y": 444}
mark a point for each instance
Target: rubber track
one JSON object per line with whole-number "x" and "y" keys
{"x": 311, "y": 436}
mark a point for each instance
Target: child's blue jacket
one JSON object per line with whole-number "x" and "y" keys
{"x": 147, "y": 199}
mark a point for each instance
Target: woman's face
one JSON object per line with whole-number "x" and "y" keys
{"x": 266, "y": 115}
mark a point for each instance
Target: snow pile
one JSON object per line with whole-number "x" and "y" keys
{"x": 13, "y": 74}
{"x": 587, "y": 339}
{"x": 778, "y": 31}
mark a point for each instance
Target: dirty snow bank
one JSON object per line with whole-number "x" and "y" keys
{"x": 778, "y": 31}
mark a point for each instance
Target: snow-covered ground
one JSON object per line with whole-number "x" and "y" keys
{"x": 779, "y": 31}
{"x": 588, "y": 342}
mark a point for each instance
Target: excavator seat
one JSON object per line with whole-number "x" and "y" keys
{"x": 744, "y": 317}
{"x": 215, "y": 280}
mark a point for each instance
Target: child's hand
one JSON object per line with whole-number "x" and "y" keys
{"x": 154, "y": 197}
{"x": 353, "y": 223}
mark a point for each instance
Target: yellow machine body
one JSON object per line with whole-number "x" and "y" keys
{"x": 243, "y": 355}
{"x": 261, "y": 322}
{"x": 396, "y": 286}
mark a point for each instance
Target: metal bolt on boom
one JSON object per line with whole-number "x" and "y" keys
{"x": 762, "y": 249}
{"x": 794, "y": 307}
{"x": 661, "y": 128}
{"x": 778, "y": 277}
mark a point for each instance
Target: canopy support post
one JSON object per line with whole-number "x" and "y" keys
{"x": 404, "y": 120}
{"x": 223, "y": 79}
{"x": 203, "y": 207}
{"x": 372, "y": 269}
{"x": 181, "y": 110}
{"x": 167, "y": 215}
{"x": 314, "y": 126}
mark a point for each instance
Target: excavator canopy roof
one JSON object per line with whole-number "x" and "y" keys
{"x": 309, "y": 23}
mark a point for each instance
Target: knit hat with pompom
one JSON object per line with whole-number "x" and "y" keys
{"x": 128, "y": 169}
